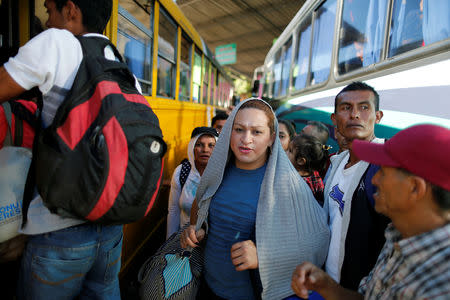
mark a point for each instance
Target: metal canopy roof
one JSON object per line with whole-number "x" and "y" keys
{"x": 251, "y": 24}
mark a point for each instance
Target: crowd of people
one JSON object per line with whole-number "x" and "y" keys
{"x": 277, "y": 215}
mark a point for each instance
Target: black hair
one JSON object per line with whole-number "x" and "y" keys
{"x": 441, "y": 197}
{"x": 217, "y": 117}
{"x": 359, "y": 86}
{"x": 312, "y": 150}
{"x": 290, "y": 125}
{"x": 321, "y": 129}
{"x": 96, "y": 13}
{"x": 204, "y": 130}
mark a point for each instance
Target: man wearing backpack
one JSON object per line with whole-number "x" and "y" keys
{"x": 64, "y": 257}
{"x": 357, "y": 230}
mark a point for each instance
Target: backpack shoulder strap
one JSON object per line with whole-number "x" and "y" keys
{"x": 96, "y": 46}
{"x": 370, "y": 188}
{"x": 8, "y": 114}
{"x": 185, "y": 170}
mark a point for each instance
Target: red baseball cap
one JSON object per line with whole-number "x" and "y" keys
{"x": 422, "y": 150}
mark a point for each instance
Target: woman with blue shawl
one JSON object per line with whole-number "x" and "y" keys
{"x": 260, "y": 218}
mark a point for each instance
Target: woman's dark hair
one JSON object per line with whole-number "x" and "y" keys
{"x": 96, "y": 13}
{"x": 204, "y": 130}
{"x": 314, "y": 152}
{"x": 290, "y": 125}
{"x": 258, "y": 104}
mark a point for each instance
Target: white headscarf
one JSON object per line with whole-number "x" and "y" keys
{"x": 291, "y": 227}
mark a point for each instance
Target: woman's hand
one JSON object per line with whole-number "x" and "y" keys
{"x": 191, "y": 238}
{"x": 244, "y": 256}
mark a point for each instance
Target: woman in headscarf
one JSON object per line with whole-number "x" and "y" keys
{"x": 286, "y": 129}
{"x": 186, "y": 177}
{"x": 261, "y": 219}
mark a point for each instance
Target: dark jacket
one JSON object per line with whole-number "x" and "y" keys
{"x": 365, "y": 234}
{"x": 363, "y": 228}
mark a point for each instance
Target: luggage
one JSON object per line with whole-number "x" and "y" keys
{"x": 102, "y": 157}
{"x": 14, "y": 164}
{"x": 172, "y": 273}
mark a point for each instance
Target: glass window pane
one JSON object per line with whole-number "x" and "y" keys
{"x": 166, "y": 55}
{"x": 211, "y": 86}
{"x": 167, "y": 37}
{"x": 361, "y": 34}
{"x": 277, "y": 74}
{"x": 301, "y": 63}
{"x": 218, "y": 93}
{"x": 185, "y": 69}
{"x": 287, "y": 56}
{"x": 416, "y": 23}
{"x": 142, "y": 12}
{"x": 165, "y": 78}
{"x": 197, "y": 76}
{"x": 134, "y": 42}
{"x": 436, "y": 21}
{"x": 267, "y": 81}
{"x": 323, "y": 42}
{"x": 205, "y": 72}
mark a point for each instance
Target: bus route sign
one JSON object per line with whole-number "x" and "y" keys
{"x": 226, "y": 54}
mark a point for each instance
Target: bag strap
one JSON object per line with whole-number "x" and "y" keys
{"x": 30, "y": 184}
{"x": 185, "y": 170}
{"x": 8, "y": 114}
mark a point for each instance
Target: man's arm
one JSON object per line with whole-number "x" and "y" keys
{"x": 309, "y": 277}
{"x": 8, "y": 87}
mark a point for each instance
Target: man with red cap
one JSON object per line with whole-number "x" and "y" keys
{"x": 413, "y": 189}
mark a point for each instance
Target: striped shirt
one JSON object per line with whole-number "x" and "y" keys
{"x": 413, "y": 268}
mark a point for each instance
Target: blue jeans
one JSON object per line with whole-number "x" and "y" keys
{"x": 80, "y": 261}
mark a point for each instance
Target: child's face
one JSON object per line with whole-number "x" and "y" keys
{"x": 291, "y": 152}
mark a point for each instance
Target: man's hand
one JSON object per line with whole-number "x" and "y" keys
{"x": 189, "y": 237}
{"x": 309, "y": 277}
{"x": 244, "y": 256}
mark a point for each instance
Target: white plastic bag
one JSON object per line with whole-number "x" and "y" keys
{"x": 14, "y": 165}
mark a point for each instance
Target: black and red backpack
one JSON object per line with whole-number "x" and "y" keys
{"x": 102, "y": 157}
{"x": 23, "y": 122}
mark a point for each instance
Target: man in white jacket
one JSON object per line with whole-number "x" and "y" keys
{"x": 357, "y": 230}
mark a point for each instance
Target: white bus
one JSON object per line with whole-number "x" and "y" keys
{"x": 400, "y": 47}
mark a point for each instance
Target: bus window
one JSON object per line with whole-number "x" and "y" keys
{"x": 286, "y": 60}
{"x": 301, "y": 60}
{"x": 267, "y": 80}
{"x": 212, "y": 100}
{"x": 197, "y": 76}
{"x": 416, "y": 23}
{"x": 277, "y": 74}
{"x": 134, "y": 41}
{"x": 205, "y": 73}
{"x": 167, "y": 39}
{"x": 322, "y": 42}
{"x": 361, "y": 34}
{"x": 218, "y": 101}
{"x": 185, "y": 69}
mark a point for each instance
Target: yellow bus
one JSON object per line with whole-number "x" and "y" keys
{"x": 400, "y": 47}
{"x": 178, "y": 74}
